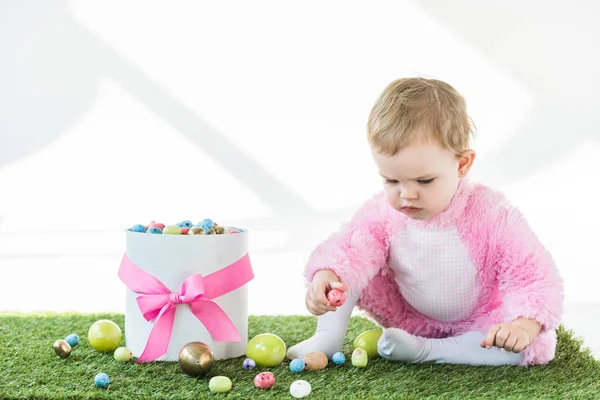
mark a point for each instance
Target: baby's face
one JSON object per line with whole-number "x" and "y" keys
{"x": 420, "y": 180}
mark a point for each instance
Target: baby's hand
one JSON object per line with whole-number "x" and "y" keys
{"x": 316, "y": 294}
{"x": 507, "y": 336}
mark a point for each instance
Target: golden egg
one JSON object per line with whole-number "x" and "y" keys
{"x": 315, "y": 361}
{"x": 211, "y": 231}
{"x": 219, "y": 230}
{"x": 196, "y": 231}
{"x": 196, "y": 359}
{"x": 62, "y": 348}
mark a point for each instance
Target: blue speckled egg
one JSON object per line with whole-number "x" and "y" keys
{"x": 297, "y": 365}
{"x": 72, "y": 339}
{"x": 138, "y": 228}
{"x": 338, "y": 358}
{"x": 185, "y": 224}
{"x": 102, "y": 380}
{"x": 208, "y": 223}
{"x": 154, "y": 229}
{"x": 249, "y": 364}
{"x": 241, "y": 230}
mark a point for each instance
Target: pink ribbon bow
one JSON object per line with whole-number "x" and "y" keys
{"x": 197, "y": 291}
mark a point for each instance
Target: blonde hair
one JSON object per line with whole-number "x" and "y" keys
{"x": 410, "y": 107}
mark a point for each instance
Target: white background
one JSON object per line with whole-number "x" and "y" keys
{"x": 253, "y": 114}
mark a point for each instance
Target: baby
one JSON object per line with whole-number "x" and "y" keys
{"x": 448, "y": 267}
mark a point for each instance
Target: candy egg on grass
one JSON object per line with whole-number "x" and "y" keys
{"x": 171, "y": 230}
{"x": 219, "y": 384}
{"x": 336, "y": 297}
{"x": 368, "y": 341}
{"x": 359, "y": 358}
{"x": 123, "y": 354}
{"x": 267, "y": 350}
{"x": 249, "y": 364}
{"x": 264, "y": 380}
{"x": 102, "y": 380}
{"x": 104, "y": 335}
{"x": 300, "y": 389}
{"x": 72, "y": 339}
{"x": 196, "y": 359}
{"x": 338, "y": 358}
{"x": 62, "y": 348}
{"x": 297, "y": 365}
{"x": 315, "y": 361}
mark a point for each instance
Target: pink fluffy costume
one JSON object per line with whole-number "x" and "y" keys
{"x": 487, "y": 267}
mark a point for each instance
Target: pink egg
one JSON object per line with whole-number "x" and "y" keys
{"x": 264, "y": 380}
{"x": 232, "y": 232}
{"x": 158, "y": 225}
{"x": 184, "y": 231}
{"x": 336, "y": 297}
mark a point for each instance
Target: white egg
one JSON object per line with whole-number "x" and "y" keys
{"x": 300, "y": 389}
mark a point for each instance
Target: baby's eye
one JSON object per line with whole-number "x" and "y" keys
{"x": 391, "y": 181}
{"x": 425, "y": 181}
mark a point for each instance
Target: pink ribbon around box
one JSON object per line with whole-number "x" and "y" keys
{"x": 197, "y": 291}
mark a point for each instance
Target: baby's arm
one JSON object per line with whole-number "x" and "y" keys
{"x": 358, "y": 250}
{"x": 529, "y": 280}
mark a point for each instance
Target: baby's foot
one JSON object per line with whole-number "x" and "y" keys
{"x": 323, "y": 341}
{"x": 398, "y": 345}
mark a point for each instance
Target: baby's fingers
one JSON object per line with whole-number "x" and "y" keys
{"x": 338, "y": 285}
{"x": 491, "y": 336}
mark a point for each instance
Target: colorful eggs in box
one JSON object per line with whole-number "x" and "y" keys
{"x": 206, "y": 227}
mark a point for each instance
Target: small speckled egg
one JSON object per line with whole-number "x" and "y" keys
{"x": 264, "y": 380}
{"x": 315, "y": 361}
{"x": 208, "y": 223}
{"x": 338, "y": 358}
{"x": 249, "y": 364}
{"x": 336, "y": 297}
{"x": 154, "y": 229}
{"x": 185, "y": 224}
{"x": 219, "y": 230}
{"x": 62, "y": 349}
{"x": 172, "y": 230}
{"x": 219, "y": 384}
{"x": 211, "y": 231}
{"x": 72, "y": 339}
{"x": 123, "y": 354}
{"x": 102, "y": 380}
{"x": 297, "y": 365}
{"x": 300, "y": 389}
{"x": 138, "y": 228}
{"x": 196, "y": 231}
{"x": 157, "y": 224}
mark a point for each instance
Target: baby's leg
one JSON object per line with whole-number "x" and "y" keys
{"x": 331, "y": 330}
{"x": 398, "y": 345}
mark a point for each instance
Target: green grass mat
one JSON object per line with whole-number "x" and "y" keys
{"x": 30, "y": 369}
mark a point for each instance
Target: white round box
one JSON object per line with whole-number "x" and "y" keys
{"x": 171, "y": 259}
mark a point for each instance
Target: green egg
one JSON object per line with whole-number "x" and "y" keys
{"x": 172, "y": 230}
{"x": 219, "y": 384}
